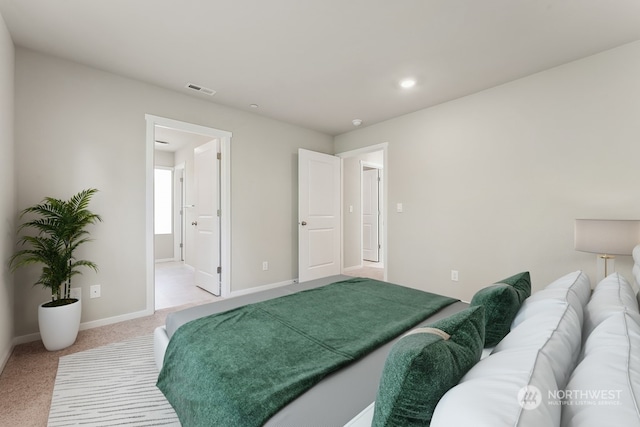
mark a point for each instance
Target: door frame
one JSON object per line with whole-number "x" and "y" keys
{"x": 178, "y": 211}
{"x": 384, "y": 147}
{"x": 225, "y": 198}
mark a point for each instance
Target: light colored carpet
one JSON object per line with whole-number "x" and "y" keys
{"x": 111, "y": 385}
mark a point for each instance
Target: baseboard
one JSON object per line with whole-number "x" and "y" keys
{"x": 261, "y": 288}
{"x": 5, "y": 357}
{"x": 116, "y": 319}
{"x": 23, "y": 339}
{"x": 355, "y": 267}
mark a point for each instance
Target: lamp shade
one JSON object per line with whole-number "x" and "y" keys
{"x": 604, "y": 236}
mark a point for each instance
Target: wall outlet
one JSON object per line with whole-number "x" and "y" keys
{"x": 454, "y": 275}
{"x": 265, "y": 265}
{"x": 76, "y": 293}
{"x": 94, "y": 291}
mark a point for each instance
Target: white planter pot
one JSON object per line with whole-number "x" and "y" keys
{"x": 59, "y": 325}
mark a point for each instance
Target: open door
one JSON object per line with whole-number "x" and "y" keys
{"x": 207, "y": 223}
{"x": 318, "y": 215}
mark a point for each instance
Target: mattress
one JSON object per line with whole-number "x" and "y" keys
{"x": 337, "y": 398}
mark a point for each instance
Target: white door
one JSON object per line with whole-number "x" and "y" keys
{"x": 207, "y": 223}
{"x": 370, "y": 214}
{"x": 318, "y": 215}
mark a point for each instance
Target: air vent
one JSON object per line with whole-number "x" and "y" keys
{"x": 201, "y": 89}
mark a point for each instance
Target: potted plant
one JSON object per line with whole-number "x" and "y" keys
{"x": 60, "y": 227}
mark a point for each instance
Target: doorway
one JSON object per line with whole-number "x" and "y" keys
{"x": 172, "y": 143}
{"x": 364, "y": 239}
{"x": 371, "y": 179}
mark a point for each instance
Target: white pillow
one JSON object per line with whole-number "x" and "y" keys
{"x": 604, "y": 389}
{"x": 543, "y": 300}
{"x": 612, "y": 295}
{"x": 557, "y": 331}
{"x": 496, "y": 397}
{"x": 576, "y": 282}
{"x": 636, "y": 269}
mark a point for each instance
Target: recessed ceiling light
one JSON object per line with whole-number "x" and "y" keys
{"x": 254, "y": 105}
{"x": 407, "y": 83}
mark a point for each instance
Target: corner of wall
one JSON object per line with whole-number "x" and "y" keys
{"x": 7, "y": 191}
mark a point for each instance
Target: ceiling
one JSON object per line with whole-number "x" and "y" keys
{"x": 167, "y": 139}
{"x": 322, "y": 63}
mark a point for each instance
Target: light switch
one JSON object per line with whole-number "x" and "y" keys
{"x": 399, "y": 207}
{"x": 350, "y": 208}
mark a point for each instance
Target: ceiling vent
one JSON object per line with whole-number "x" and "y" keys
{"x": 201, "y": 89}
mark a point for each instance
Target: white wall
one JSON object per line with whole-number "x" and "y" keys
{"x": 164, "y": 158}
{"x": 7, "y": 191}
{"x": 491, "y": 183}
{"x": 78, "y": 127}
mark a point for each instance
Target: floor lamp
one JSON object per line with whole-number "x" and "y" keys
{"x": 606, "y": 237}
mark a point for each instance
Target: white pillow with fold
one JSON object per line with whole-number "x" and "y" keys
{"x": 545, "y": 299}
{"x": 604, "y": 389}
{"x": 503, "y": 390}
{"x": 557, "y": 331}
{"x": 636, "y": 269}
{"x": 612, "y": 295}
{"x": 576, "y": 282}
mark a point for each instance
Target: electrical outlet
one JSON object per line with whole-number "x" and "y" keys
{"x": 76, "y": 293}
{"x": 94, "y": 291}
{"x": 454, "y": 275}
{"x": 265, "y": 265}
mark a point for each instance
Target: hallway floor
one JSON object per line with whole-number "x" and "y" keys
{"x": 175, "y": 286}
{"x": 372, "y": 270}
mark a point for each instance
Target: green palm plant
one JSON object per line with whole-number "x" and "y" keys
{"x": 60, "y": 227}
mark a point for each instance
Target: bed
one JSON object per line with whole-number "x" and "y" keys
{"x": 346, "y": 392}
{"x": 565, "y": 356}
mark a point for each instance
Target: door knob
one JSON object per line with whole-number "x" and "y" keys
{"x": 303, "y": 223}
{"x": 194, "y": 223}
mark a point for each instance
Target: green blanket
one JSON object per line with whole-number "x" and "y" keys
{"x": 238, "y": 368}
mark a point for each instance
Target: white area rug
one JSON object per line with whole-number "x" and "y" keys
{"x": 112, "y": 385}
